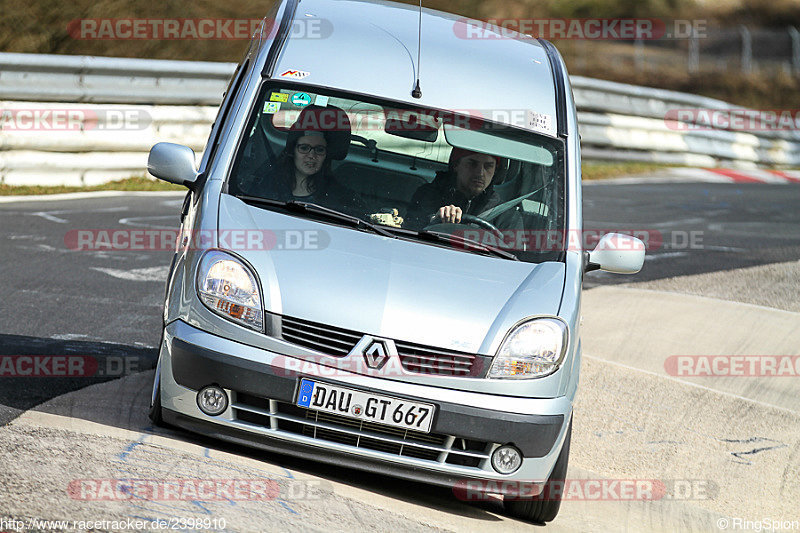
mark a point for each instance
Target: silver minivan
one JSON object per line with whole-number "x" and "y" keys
{"x": 381, "y": 253}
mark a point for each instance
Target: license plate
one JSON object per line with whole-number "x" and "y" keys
{"x": 365, "y": 406}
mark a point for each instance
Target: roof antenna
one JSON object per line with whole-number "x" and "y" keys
{"x": 417, "y": 92}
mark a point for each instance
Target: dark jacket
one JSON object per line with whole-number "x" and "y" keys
{"x": 275, "y": 184}
{"x": 442, "y": 191}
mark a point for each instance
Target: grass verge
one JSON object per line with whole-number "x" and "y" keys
{"x": 130, "y": 184}
{"x": 597, "y": 170}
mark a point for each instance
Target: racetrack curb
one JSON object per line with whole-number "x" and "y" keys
{"x": 705, "y": 175}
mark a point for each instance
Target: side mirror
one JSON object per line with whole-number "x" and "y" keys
{"x": 617, "y": 253}
{"x": 173, "y": 163}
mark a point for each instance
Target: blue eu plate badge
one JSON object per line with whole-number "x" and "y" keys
{"x": 306, "y": 393}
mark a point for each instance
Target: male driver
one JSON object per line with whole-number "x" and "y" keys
{"x": 464, "y": 189}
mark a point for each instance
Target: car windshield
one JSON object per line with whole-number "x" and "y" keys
{"x": 439, "y": 177}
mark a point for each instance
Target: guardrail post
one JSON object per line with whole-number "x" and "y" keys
{"x": 747, "y": 50}
{"x": 795, "y": 35}
{"x": 693, "y": 62}
{"x": 638, "y": 54}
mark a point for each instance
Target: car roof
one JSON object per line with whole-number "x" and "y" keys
{"x": 370, "y": 48}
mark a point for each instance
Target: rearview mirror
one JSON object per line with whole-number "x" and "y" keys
{"x": 173, "y": 163}
{"x": 617, "y": 253}
{"x": 412, "y": 126}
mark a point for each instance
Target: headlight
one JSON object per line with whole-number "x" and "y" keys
{"x": 228, "y": 287}
{"x": 533, "y": 349}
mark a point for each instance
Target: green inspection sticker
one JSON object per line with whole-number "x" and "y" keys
{"x": 301, "y": 99}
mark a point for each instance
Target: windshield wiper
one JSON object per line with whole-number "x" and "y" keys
{"x": 317, "y": 210}
{"x": 394, "y": 233}
{"x": 467, "y": 244}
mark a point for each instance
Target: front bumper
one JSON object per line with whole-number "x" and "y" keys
{"x": 468, "y": 426}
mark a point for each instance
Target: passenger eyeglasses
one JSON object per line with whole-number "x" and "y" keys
{"x": 306, "y": 148}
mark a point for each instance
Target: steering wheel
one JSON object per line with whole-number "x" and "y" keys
{"x": 481, "y": 223}
{"x": 450, "y": 227}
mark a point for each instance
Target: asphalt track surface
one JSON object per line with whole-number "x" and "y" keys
{"x": 107, "y": 305}
{"x": 696, "y": 228}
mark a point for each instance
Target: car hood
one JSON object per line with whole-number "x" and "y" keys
{"x": 391, "y": 288}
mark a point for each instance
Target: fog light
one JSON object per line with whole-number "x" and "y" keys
{"x": 212, "y": 400}
{"x": 506, "y": 459}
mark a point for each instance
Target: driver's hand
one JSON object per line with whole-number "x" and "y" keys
{"x": 449, "y": 213}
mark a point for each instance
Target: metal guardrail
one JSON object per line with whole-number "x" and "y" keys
{"x": 117, "y": 80}
{"x": 176, "y": 101}
{"x": 628, "y": 122}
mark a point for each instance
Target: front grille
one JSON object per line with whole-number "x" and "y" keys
{"x": 322, "y": 338}
{"x": 282, "y": 416}
{"x": 416, "y": 358}
{"x": 426, "y": 360}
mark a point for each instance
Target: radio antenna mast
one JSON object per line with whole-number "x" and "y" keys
{"x": 417, "y": 92}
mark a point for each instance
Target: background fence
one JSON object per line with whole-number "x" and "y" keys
{"x": 744, "y": 49}
{"x": 98, "y": 117}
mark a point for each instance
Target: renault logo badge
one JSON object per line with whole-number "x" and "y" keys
{"x": 376, "y": 355}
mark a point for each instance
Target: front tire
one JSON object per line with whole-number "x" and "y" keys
{"x": 544, "y": 507}
{"x": 155, "y": 412}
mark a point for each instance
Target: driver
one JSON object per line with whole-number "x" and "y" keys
{"x": 465, "y": 188}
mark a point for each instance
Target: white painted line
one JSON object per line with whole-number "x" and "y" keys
{"x": 699, "y": 297}
{"x": 27, "y": 237}
{"x": 690, "y": 384}
{"x": 680, "y": 223}
{"x": 667, "y": 255}
{"x": 158, "y": 273}
{"x": 50, "y": 215}
{"x": 724, "y": 249}
{"x": 134, "y": 221}
{"x": 84, "y": 196}
{"x": 70, "y": 337}
{"x": 47, "y": 215}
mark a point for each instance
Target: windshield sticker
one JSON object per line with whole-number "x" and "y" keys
{"x": 279, "y": 97}
{"x": 540, "y": 122}
{"x": 322, "y": 100}
{"x": 301, "y": 99}
{"x": 295, "y": 74}
{"x": 272, "y": 107}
